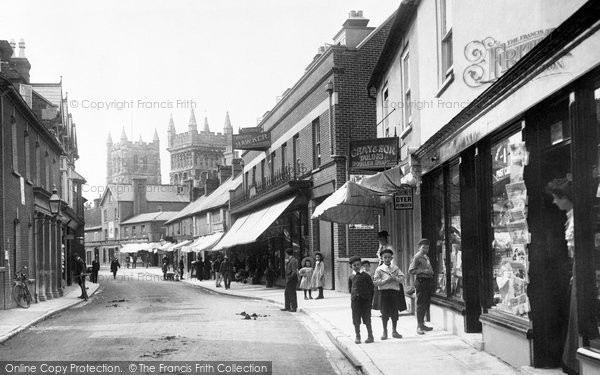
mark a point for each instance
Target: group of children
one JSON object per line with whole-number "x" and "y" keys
{"x": 312, "y": 278}
{"x": 388, "y": 279}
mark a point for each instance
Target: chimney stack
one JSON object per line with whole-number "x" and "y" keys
{"x": 237, "y": 167}
{"x": 139, "y": 195}
{"x": 13, "y": 45}
{"x": 225, "y": 172}
{"x": 22, "y": 48}
{"x": 354, "y": 30}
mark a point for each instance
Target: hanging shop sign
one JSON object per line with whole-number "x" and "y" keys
{"x": 255, "y": 129}
{"x": 375, "y": 154}
{"x": 252, "y": 140}
{"x": 403, "y": 199}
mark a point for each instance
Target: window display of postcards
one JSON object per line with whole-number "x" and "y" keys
{"x": 509, "y": 224}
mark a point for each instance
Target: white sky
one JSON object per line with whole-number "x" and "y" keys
{"x": 235, "y": 55}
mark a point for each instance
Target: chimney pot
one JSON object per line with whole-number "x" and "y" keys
{"x": 359, "y": 13}
{"x": 13, "y": 45}
{"x": 21, "y": 48}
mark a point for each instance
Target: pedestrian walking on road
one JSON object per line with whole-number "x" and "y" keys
{"x": 420, "y": 266}
{"x": 114, "y": 265}
{"x": 80, "y": 271}
{"x": 207, "y": 267}
{"x": 318, "y": 276}
{"x": 95, "y": 269}
{"x": 165, "y": 267}
{"x": 291, "y": 280}
{"x": 225, "y": 270}
{"x": 181, "y": 268}
{"x": 217, "y": 269}
{"x": 361, "y": 290}
{"x": 388, "y": 278}
{"x": 306, "y": 274}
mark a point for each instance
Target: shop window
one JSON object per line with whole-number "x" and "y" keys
{"x": 510, "y": 234}
{"x": 445, "y": 217}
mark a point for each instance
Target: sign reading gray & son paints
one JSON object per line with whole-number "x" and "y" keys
{"x": 378, "y": 153}
{"x": 252, "y": 140}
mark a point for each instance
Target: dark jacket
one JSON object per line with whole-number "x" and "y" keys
{"x": 361, "y": 287}
{"x": 80, "y": 267}
{"x": 225, "y": 267}
{"x": 114, "y": 265}
{"x": 291, "y": 269}
{"x": 95, "y": 265}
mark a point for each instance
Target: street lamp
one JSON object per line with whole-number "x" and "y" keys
{"x": 54, "y": 202}
{"x": 329, "y": 89}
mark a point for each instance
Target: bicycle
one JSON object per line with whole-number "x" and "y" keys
{"x": 20, "y": 292}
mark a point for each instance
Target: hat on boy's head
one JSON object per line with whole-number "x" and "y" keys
{"x": 354, "y": 259}
{"x": 383, "y": 233}
{"x": 386, "y": 250}
{"x": 366, "y": 261}
{"x": 424, "y": 241}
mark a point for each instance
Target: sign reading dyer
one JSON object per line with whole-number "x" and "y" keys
{"x": 377, "y": 153}
{"x": 252, "y": 140}
{"x": 403, "y": 199}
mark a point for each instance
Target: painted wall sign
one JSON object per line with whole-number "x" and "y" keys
{"x": 252, "y": 141}
{"x": 377, "y": 153}
{"x": 403, "y": 199}
{"x": 490, "y": 58}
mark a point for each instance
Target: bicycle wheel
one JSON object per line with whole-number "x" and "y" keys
{"x": 21, "y": 296}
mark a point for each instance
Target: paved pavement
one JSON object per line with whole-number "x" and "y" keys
{"x": 436, "y": 352}
{"x": 15, "y": 320}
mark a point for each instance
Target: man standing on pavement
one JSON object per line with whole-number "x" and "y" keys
{"x": 80, "y": 269}
{"x": 420, "y": 266}
{"x": 225, "y": 270}
{"x": 95, "y": 269}
{"x": 217, "y": 268}
{"x": 291, "y": 280}
{"x": 114, "y": 266}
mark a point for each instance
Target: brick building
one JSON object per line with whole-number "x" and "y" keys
{"x": 123, "y": 203}
{"x": 38, "y": 153}
{"x": 196, "y": 155}
{"x": 305, "y": 162}
{"x": 127, "y": 160}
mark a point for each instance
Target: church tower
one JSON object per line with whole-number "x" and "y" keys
{"x": 128, "y": 160}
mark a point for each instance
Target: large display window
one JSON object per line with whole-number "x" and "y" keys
{"x": 444, "y": 213}
{"x": 510, "y": 234}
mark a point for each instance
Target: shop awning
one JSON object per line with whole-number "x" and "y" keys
{"x": 246, "y": 229}
{"x": 179, "y": 245}
{"x": 166, "y": 246}
{"x": 133, "y": 247}
{"x": 204, "y": 242}
{"x": 351, "y": 204}
{"x": 387, "y": 181}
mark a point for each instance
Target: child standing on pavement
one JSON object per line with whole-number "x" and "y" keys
{"x": 388, "y": 278}
{"x": 306, "y": 274}
{"x": 361, "y": 290}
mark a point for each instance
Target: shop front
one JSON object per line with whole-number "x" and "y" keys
{"x": 499, "y": 238}
{"x": 256, "y": 242}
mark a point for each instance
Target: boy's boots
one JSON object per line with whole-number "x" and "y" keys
{"x": 357, "y": 331}
{"x": 370, "y": 335}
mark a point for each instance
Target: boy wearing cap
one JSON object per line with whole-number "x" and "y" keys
{"x": 360, "y": 286}
{"x": 420, "y": 266}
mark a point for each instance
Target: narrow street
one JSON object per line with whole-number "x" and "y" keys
{"x": 138, "y": 316}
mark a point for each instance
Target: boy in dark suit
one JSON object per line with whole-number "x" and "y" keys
{"x": 361, "y": 290}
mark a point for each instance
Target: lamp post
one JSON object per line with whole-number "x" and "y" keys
{"x": 329, "y": 89}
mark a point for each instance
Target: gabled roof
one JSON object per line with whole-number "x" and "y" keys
{"x": 217, "y": 198}
{"x": 404, "y": 15}
{"x": 154, "y": 193}
{"x": 50, "y": 91}
{"x": 150, "y": 216}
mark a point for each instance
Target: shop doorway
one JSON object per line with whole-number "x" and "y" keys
{"x": 326, "y": 248}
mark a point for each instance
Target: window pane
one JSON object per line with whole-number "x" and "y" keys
{"x": 510, "y": 233}
{"x": 454, "y": 231}
{"x": 440, "y": 243}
